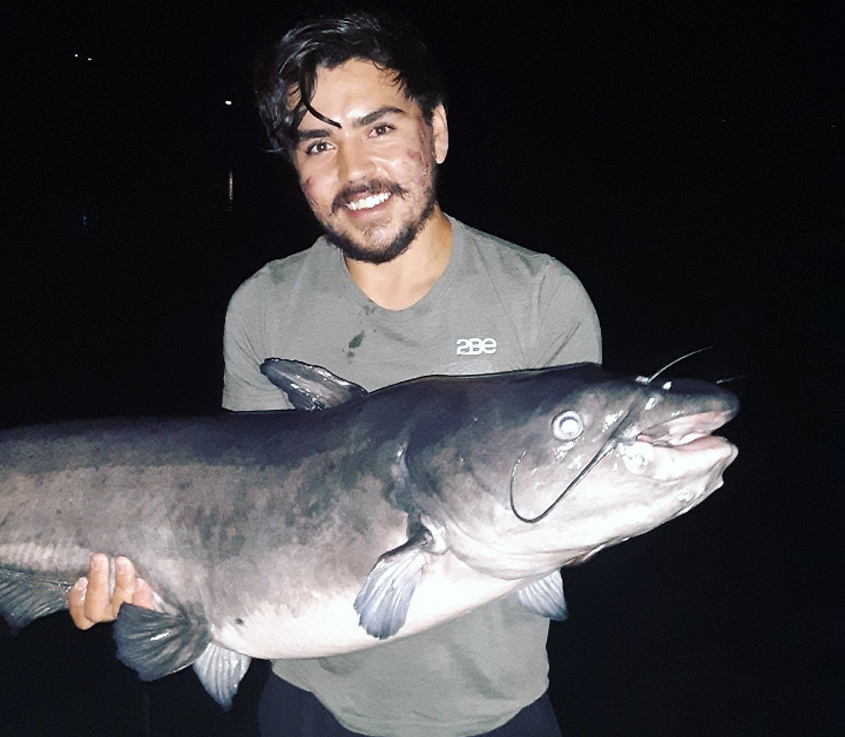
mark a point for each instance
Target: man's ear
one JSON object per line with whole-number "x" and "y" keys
{"x": 440, "y": 131}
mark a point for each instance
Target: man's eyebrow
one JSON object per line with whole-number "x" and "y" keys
{"x": 309, "y": 134}
{"x": 312, "y": 133}
{"x": 376, "y": 114}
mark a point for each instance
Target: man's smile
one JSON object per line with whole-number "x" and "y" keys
{"x": 366, "y": 197}
{"x": 367, "y": 203}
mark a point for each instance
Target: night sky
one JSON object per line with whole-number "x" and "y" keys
{"x": 684, "y": 159}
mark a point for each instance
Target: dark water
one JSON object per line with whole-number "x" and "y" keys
{"x": 686, "y": 165}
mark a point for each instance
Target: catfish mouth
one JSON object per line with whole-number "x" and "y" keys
{"x": 679, "y": 451}
{"x": 678, "y": 448}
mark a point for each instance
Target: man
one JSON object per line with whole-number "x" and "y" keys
{"x": 394, "y": 289}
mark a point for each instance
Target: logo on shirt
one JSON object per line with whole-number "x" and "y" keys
{"x": 475, "y": 346}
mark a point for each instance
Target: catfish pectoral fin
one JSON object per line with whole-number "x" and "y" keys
{"x": 156, "y": 644}
{"x": 544, "y": 597}
{"x": 27, "y": 595}
{"x": 220, "y": 671}
{"x": 383, "y": 602}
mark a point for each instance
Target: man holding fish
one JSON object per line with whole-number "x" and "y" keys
{"x": 394, "y": 289}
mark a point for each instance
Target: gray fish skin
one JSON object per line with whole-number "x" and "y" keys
{"x": 306, "y": 534}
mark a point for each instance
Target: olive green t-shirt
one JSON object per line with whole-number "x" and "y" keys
{"x": 496, "y": 307}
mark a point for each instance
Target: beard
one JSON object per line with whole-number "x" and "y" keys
{"x": 400, "y": 243}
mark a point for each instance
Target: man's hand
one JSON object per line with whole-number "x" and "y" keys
{"x": 91, "y": 601}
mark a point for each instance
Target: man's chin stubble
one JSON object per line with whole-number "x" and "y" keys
{"x": 400, "y": 243}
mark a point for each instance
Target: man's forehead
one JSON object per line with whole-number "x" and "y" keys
{"x": 361, "y": 66}
{"x": 357, "y": 81}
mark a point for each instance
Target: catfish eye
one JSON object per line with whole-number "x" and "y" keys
{"x": 567, "y": 425}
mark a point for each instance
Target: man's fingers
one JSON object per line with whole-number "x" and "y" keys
{"x": 98, "y": 595}
{"x": 76, "y": 604}
{"x": 91, "y": 600}
{"x": 124, "y": 584}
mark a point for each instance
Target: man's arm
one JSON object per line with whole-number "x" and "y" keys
{"x": 568, "y": 330}
{"x": 244, "y": 386}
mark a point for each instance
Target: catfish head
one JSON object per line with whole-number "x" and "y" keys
{"x": 555, "y": 464}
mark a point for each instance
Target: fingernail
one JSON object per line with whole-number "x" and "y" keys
{"x": 97, "y": 561}
{"x": 82, "y": 587}
{"x": 121, "y": 564}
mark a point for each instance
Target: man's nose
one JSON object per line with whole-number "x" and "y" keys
{"x": 354, "y": 162}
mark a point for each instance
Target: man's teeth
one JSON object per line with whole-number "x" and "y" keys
{"x": 368, "y": 202}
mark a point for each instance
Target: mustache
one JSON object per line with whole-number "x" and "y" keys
{"x": 372, "y": 187}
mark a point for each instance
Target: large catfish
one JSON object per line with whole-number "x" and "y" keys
{"x": 311, "y": 533}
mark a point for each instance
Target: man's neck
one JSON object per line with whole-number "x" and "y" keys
{"x": 405, "y": 280}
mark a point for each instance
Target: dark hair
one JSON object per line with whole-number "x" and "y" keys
{"x": 291, "y": 66}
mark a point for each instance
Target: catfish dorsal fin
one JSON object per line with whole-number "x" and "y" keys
{"x": 310, "y": 387}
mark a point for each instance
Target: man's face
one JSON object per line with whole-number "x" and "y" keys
{"x": 370, "y": 181}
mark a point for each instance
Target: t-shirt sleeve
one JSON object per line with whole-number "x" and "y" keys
{"x": 245, "y": 388}
{"x": 568, "y": 330}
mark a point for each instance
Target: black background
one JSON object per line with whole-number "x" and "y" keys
{"x": 685, "y": 160}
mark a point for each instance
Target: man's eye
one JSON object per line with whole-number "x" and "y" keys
{"x": 382, "y": 129}
{"x": 316, "y": 148}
